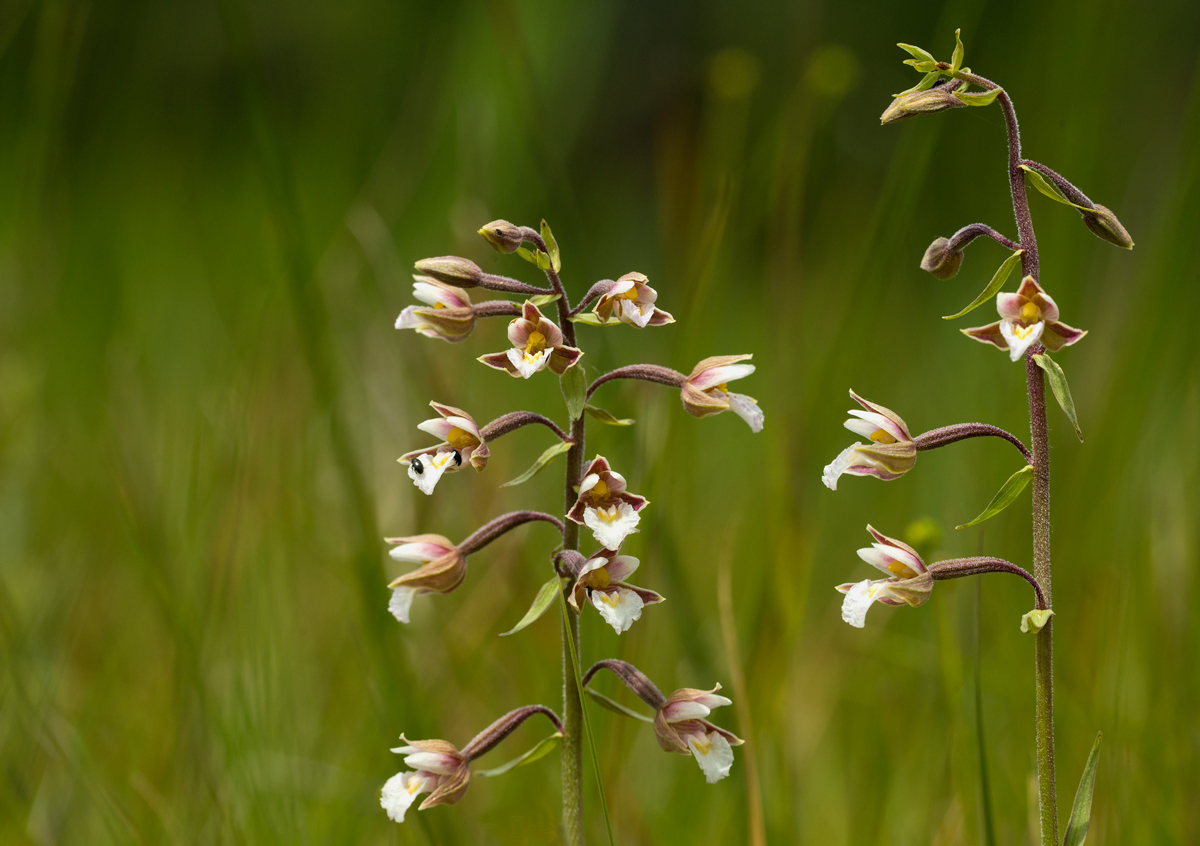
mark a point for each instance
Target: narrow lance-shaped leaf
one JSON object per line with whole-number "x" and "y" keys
{"x": 998, "y": 280}
{"x": 545, "y": 458}
{"x": 540, "y": 751}
{"x": 543, "y": 600}
{"x": 979, "y": 98}
{"x": 1005, "y": 496}
{"x": 591, "y": 319}
{"x": 917, "y": 53}
{"x": 617, "y": 707}
{"x": 545, "y": 299}
{"x": 1081, "y": 811}
{"x": 607, "y": 416}
{"x": 925, "y": 84}
{"x": 1060, "y": 389}
{"x": 552, "y": 246}
{"x": 1049, "y": 188}
{"x": 574, "y": 389}
{"x": 956, "y": 60}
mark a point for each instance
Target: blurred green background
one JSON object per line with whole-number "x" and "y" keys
{"x": 208, "y": 212}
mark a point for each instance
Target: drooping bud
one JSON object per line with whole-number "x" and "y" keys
{"x": 1104, "y": 225}
{"x": 505, "y": 237}
{"x": 940, "y": 260}
{"x": 940, "y": 98}
{"x": 460, "y": 272}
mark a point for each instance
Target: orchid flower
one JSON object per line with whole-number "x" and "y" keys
{"x": 463, "y": 442}
{"x": 680, "y": 726}
{"x": 443, "y": 567}
{"x": 1029, "y": 316}
{"x": 706, "y": 390}
{"x": 438, "y": 768}
{"x": 604, "y": 506}
{"x": 600, "y": 579}
{"x": 890, "y": 454}
{"x": 537, "y": 344}
{"x": 630, "y": 300}
{"x": 448, "y": 314}
{"x": 908, "y": 582}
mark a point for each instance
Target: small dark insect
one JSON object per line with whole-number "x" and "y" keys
{"x": 417, "y": 467}
{"x": 457, "y": 458}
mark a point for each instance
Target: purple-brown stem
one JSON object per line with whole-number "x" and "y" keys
{"x": 960, "y": 239}
{"x": 515, "y": 420}
{"x": 487, "y": 739}
{"x": 645, "y": 372}
{"x": 935, "y": 438}
{"x": 633, "y": 678}
{"x": 511, "y": 286}
{"x": 496, "y": 308}
{"x": 599, "y": 289}
{"x": 1069, "y": 191}
{"x": 488, "y": 532}
{"x": 957, "y": 568}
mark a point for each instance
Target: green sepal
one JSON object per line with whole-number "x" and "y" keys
{"x": 544, "y": 599}
{"x": 1034, "y": 621}
{"x": 544, "y": 299}
{"x": 590, "y": 319}
{"x": 917, "y": 53}
{"x": 1049, "y": 188}
{"x": 607, "y": 416}
{"x": 617, "y": 707}
{"x": 923, "y": 67}
{"x": 1060, "y": 389}
{"x": 925, "y": 84}
{"x": 537, "y": 258}
{"x": 542, "y": 748}
{"x": 1001, "y": 276}
{"x": 574, "y": 389}
{"x": 1081, "y": 810}
{"x": 552, "y": 247}
{"x": 978, "y": 98}
{"x": 956, "y": 60}
{"x": 1004, "y": 497}
{"x": 545, "y": 458}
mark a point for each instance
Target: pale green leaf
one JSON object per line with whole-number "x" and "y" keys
{"x": 1035, "y": 620}
{"x": 542, "y": 260}
{"x": 926, "y": 83}
{"x": 607, "y": 416}
{"x": 917, "y": 53}
{"x": 540, "y": 751}
{"x": 923, "y": 67}
{"x": 545, "y": 458}
{"x": 998, "y": 280}
{"x": 956, "y": 60}
{"x": 617, "y": 707}
{"x": 1081, "y": 811}
{"x": 543, "y": 600}
{"x": 527, "y": 254}
{"x": 574, "y": 389}
{"x": 1048, "y": 188}
{"x": 1060, "y": 389}
{"x": 978, "y": 98}
{"x": 552, "y": 246}
{"x": 590, "y": 319}
{"x": 544, "y": 299}
{"x": 1005, "y": 496}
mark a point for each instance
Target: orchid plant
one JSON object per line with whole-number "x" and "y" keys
{"x": 1029, "y": 329}
{"x": 596, "y": 498}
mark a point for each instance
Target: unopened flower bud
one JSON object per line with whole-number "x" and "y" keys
{"x": 503, "y": 236}
{"x": 937, "y": 99}
{"x": 452, "y": 270}
{"x": 1104, "y": 224}
{"x": 940, "y": 260}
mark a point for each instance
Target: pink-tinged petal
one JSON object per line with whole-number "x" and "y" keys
{"x": 551, "y": 332}
{"x": 599, "y": 465}
{"x": 721, "y": 375}
{"x": 1059, "y": 335}
{"x": 408, "y": 319}
{"x": 597, "y": 562}
{"x": 589, "y": 482}
{"x": 886, "y": 413}
{"x": 531, "y": 313}
{"x": 879, "y": 560}
{"x": 637, "y": 503}
{"x": 884, "y": 540}
{"x": 875, "y": 422}
{"x": 989, "y": 334}
{"x": 519, "y": 331}
{"x": 433, "y": 762}
{"x": 687, "y": 709}
{"x": 621, "y": 567}
{"x": 1048, "y": 307}
{"x": 1009, "y": 305}
{"x": 649, "y": 597}
{"x": 420, "y": 549}
{"x": 1020, "y": 337}
{"x": 660, "y": 318}
{"x": 1029, "y": 288}
{"x": 747, "y": 408}
{"x": 716, "y": 361}
{"x": 616, "y": 482}
{"x": 439, "y": 428}
{"x": 500, "y": 361}
{"x": 563, "y": 359}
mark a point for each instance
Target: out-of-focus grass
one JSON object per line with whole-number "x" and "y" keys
{"x": 202, "y": 397}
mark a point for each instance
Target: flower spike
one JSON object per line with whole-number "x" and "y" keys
{"x": 890, "y": 454}
{"x": 443, "y": 567}
{"x": 537, "y": 343}
{"x": 462, "y": 443}
{"x": 908, "y": 582}
{"x": 706, "y": 390}
{"x": 680, "y": 726}
{"x": 604, "y": 506}
{"x": 1029, "y": 316}
{"x": 601, "y": 578}
{"x": 448, "y": 316}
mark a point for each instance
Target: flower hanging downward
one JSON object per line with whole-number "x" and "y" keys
{"x": 601, "y": 580}
{"x": 537, "y": 344}
{"x": 604, "y": 506}
{"x": 890, "y": 453}
{"x": 680, "y": 726}
{"x": 462, "y": 443}
{"x": 442, "y": 569}
{"x": 448, "y": 316}
{"x": 1029, "y": 316}
{"x": 438, "y": 768}
{"x": 630, "y": 300}
{"x": 706, "y": 390}
{"x": 908, "y": 582}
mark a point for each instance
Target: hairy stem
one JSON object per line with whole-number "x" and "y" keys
{"x": 572, "y": 748}
{"x": 633, "y": 678}
{"x": 493, "y": 529}
{"x": 515, "y": 420}
{"x": 487, "y": 739}
{"x": 505, "y": 285}
{"x": 935, "y": 438}
{"x": 645, "y": 372}
{"x": 496, "y": 308}
{"x": 600, "y": 288}
{"x": 967, "y": 234}
{"x": 1069, "y": 191}
{"x": 957, "y": 568}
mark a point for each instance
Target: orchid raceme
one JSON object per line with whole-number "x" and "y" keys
{"x": 448, "y": 316}
{"x": 443, "y": 567}
{"x": 601, "y": 580}
{"x": 630, "y": 300}
{"x": 890, "y": 454}
{"x": 462, "y": 443}
{"x": 1028, "y": 316}
{"x": 706, "y": 390}
{"x": 537, "y": 344}
{"x": 680, "y": 726}
{"x": 438, "y": 768}
{"x": 605, "y": 507}
{"x": 908, "y": 582}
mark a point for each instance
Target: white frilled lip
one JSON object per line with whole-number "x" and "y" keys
{"x": 435, "y": 293}
{"x": 532, "y": 320}
{"x": 899, "y": 550}
{"x": 720, "y": 375}
{"x": 1019, "y": 336}
{"x": 419, "y": 549}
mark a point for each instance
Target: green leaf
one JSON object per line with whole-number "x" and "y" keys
{"x": 998, "y": 280}
{"x": 540, "y": 751}
{"x": 590, "y": 319}
{"x": 527, "y": 254}
{"x": 616, "y": 707}
{"x": 552, "y": 246}
{"x": 544, "y": 299}
{"x": 545, "y": 458}
{"x": 1048, "y": 188}
{"x": 1060, "y": 389}
{"x": 543, "y": 600}
{"x": 1035, "y": 620}
{"x": 607, "y": 416}
{"x": 978, "y": 98}
{"x": 926, "y": 83}
{"x": 1081, "y": 811}
{"x": 959, "y": 51}
{"x": 574, "y": 388}
{"x": 542, "y": 260}
{"x": 1005, "y": 496}
{"x": 917, "y": 53}
{"x": 923, "y": 67}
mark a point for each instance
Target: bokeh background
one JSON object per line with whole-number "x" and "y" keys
{"x": 208, "y": 215}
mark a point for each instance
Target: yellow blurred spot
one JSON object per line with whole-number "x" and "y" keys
{"x": 832, "y": 71}
{"x": 734, "y": 73}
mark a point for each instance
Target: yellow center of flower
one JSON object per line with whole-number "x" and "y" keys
{"x": 599, "y": 578}
{"x": 1024, "y": 332}
{"x": 881, "y": 437}
{"x": 631, "y": 294}
{"x": 901, "y": 569}
{"x": 458, "y": 438}
{"x": 439, "y": 305}
{"x": 1030, "y": 313}
{"x": 442, "y": 459}
{"x": 414, "y": 785}
{"x": 535, "y": 344}
{"x": 702, "y": 746}
{"x": 599, "y": 492}
{"x": 610, "y": 599}
{"x": 609, "y": 515}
